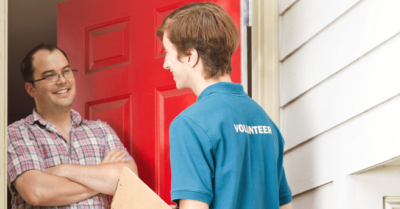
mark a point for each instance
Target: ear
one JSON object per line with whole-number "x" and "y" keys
{"x": 193, "y": 58}
{"x": 30, "y": 89}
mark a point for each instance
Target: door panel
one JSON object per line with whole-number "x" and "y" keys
{"x": 117, "y": 113}
{"x": 107, "y": 45}
{"x": 169, "y": 103}
{"x": 120, "y": 76}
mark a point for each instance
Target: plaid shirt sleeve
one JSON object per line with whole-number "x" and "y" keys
{"x": 113, "y": 141}
{"x": 23, "y": 153}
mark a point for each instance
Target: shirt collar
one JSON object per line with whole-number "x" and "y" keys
{"x": 36, "y": 117}
{"x": 224, "y": 87}
{"x": 75, "y": 117}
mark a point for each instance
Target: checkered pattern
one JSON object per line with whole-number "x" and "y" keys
{"x": 34, "y": 143}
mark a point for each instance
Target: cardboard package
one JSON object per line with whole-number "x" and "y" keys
{"x": 133, "y": 193}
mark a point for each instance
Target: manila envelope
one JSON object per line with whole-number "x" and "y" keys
{"x": 133, "y": 193}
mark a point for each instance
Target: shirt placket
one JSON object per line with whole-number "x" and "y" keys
{"x": 57, "y": 136}
{"x": 74, "y": 146}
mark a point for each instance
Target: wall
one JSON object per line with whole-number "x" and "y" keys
{"x": 339, "y": 91}
{"x": 364, "y": 190}
{"x": 30, "y": 24}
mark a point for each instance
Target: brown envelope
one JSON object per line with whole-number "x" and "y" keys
{"x": 133, "y": 193}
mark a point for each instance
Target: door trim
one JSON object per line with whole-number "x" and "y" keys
{"x": 265, "y": 59}
{"x": 3, "y": 101}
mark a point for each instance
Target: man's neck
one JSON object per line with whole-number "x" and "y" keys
{"x": 202, "y": 83}
{"x": 61, "y": 119}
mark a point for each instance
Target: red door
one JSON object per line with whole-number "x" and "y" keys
{"x": 120, "y": 76}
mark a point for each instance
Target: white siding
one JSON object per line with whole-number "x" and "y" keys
{"x": 360, "y": 143}
{"x": 317, "y": 198}
{"x": 361, "y": 86}
{"x": 284, "y": 5}
{"x": 339, "y": 96}
{"x": 369, "y": 24}
{"x": 368, "y": 189}
{"x": 365, "y": 190}
{"x": 306, "y": 19}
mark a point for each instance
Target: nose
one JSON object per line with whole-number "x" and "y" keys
{"x": 165, "y": 65}
{"x": 61, "y": 79}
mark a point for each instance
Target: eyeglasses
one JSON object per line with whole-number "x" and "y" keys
{"x": 54, "y": 77}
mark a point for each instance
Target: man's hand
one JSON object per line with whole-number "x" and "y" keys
{"x": 56, "y": 170}
{"x": 102, "y": 178}
{"x": 173, "y": 207}
{"x": 41, "y": 189}
{"x": 114, "y": 156}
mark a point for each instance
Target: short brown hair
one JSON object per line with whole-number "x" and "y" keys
{"x": 27, "y": 62}
{"x": 207, "y": 28}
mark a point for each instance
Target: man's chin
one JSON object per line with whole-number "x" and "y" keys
{"x": 180, "y": 87}
{"x": 64, "y": 105}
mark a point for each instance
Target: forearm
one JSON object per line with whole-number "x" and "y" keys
{"x": 287, "y": 206}
{"x": 40, "y": 189}
{"x": 192, "y": 204}
{"x": 102, "y": 178}
{"x": 66, "y": 193}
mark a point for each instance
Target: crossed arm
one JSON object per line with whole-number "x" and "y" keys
{"x": 66, "y": 184}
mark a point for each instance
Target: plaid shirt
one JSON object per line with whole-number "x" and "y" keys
{"x": 34, "y": 143}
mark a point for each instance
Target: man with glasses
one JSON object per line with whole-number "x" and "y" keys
{"x": 55, "y": 157}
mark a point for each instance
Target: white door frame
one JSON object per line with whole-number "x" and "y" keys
{"x": 3, "y": 102}
{"x": 265, "y": 59}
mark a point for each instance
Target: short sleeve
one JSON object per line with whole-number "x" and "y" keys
{"x": 285, "y": 194}
{"x": 113, "y": 142}
{"x": 23, "y": 153}
{"x": 192, "y": 164}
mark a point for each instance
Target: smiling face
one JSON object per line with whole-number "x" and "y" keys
{"x": 57, "y": 96}
{"x": 178, "y": 68}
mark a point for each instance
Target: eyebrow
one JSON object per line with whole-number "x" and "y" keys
{"x": 50, "y": 71}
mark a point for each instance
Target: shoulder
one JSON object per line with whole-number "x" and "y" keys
{"x": 95, "y": 123}
{"x": 182, "y": 120}
{"x": 78, "y": 120}
{"x": 17, "y": 124}
{"x": 199, "y": 109}
{"x": 183, "y": 125}
{"x": 190, "y": 117}
{"x": 18, "y": 128}
{"x": 96, "y": 126}
{"x": 21, "y": 134}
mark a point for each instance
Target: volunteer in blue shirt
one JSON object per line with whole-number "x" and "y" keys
{"x": 226, "y": 153}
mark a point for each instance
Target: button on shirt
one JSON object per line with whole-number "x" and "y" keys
{"x": 34, "y": 143}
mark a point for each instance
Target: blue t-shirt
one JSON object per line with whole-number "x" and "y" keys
{"x": 226, "y": 151}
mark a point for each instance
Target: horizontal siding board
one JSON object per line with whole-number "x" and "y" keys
{"x": 368, "y": 82}
{"x": 360, "y": 143}
{"x": 368, "y": 188}
{"x": 317, "y": 198}
{"x": 285, "y": 5}
{"x": 365, "y": 27}
{"x": 307, "y": 18}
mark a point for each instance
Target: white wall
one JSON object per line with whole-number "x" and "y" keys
{"x": 364, "y": 190}
{"x": 339, "y": 91}
{"x": 30, "y": 23}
